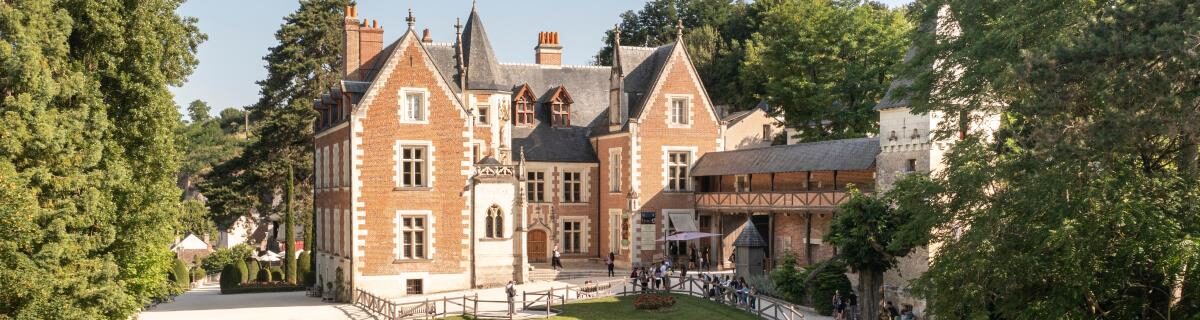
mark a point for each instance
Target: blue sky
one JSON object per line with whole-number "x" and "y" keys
{"x": 240, "y": 32}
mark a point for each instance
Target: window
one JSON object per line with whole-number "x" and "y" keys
{"x": 321, "y": 228}
{"x": 572, "y": 187}
{"x": 412, "y": 166}
{"x": 679, "y": 111}
{"x": 476, "y": 148}
{"x": 318, "y": 168}
{"x": 677, "y": 171}
{"x": 414, "y": 107}
{"x": 482, "y": 117}
{"x": 412, "y": 237}
{"x": 346, "y": 163}
{"x": 535, "y": 186}
{"x": 414, "y": 286}
{"x": 572, "y": 236}
{"x": 495, "y": 222}
{"x": 336, "y": 167}
{"x": 561, "y": 116}
{"x": 614, "y": 171}
{"x": 325, "y": 167}
{"x": 767, "y": 136}
{"x": 524, "y": 112}
{"x": 910, "y": 165}
{"x": 742, "y": 183}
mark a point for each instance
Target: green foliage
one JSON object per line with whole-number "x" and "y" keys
{"x": 194, "y": 219}
{"x": 253, "y": 266}
{"x": 87, "y": 158}
{"x": 299, "y": 68}
{"x": 231, "y": 276}
{"x": 304, "y": 268}
{"x": 789, "y": 281}
{"x": 263, "y": 275}
{"x": 180, "y": 277}
{"x": 244, "y": 271}
{"x": 276, "y": 274}
{"x": 218, "y": 259}
{"x": 826, "y": 64}
{"x": 290, "y": 236}
{"x": 828, "y": 279}
{"x": 1083, "y": 204}
{"x": 198, "y": 273}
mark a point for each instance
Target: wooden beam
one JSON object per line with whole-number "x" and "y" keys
{"x": 808, "y": 237}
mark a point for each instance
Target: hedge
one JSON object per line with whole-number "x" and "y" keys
{"x": 243, "y": 274}
{"x": 276, "y": 274}
{"x": 264, "y": 275}
{"x": 262, "y": 289}
{"x": 253, "y": 267}
{"x": 181, "y": 276}
{"x": 230, "y": 277}
{"x": 304, "y": 269}
{"x": 198, "y": 273}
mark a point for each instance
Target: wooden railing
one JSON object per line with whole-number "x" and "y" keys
{"x": 797, "y": 200}
{"x": 546, "y": 300}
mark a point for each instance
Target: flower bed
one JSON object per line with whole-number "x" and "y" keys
{"x": 258, "y": 287}
{"x": 653, "y": 301}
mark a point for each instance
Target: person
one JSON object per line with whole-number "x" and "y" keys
{"x": 839, "y": 305}
{"x": 683, "y": 270}
{"x": 658, "y": 274}
{"x": 705, "y": 260}
{"x": 703, "y": 264}
{"x": 692, "y": 257}
{"x": 892, "y": 312}
{"x": 556, "y": 261}
{"x": 511, "y": 290}
{"x": 610, "y": 262}
{"x": 733, "y": 260}
{"x": 645, "y": 280}
{"x": 906, "y": 312}
{"x": 753, "y": 298}
{"x": 852, "y": 310}
{"x": 666, "y": 278}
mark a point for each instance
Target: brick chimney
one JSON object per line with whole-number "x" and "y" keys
{"x": 361, "y": 46}
{"x": 549, "y": 52}
{"x": 426, "y": 37}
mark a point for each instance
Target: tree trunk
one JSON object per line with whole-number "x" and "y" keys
{"x": 869, "y": 294}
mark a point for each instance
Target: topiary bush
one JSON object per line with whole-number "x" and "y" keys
{"x": 181, "y": 276}
{"x": 304, "y": 268}
{"x": 277, "y": 274}
{"x": 231, "y": 276}
{"x": 254, "y": 267}
{"x": 264, "y": 275}
{"x": 198, "y": 273}
{"x": 243, "y": 272}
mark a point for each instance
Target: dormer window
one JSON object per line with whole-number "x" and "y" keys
{"x": 523, "y": 113}
{"x": 560, "y": 107}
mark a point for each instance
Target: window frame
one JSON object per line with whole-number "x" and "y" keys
{"x": 741, "y": 183}
{"x": 405, "y": 106}
{"x": 408, "y": 286}
{"x": 422, "y": 233}
{"x": 676, "y": 182}
{"x": 572, "y": 189}
{"x": 560, "y": 114}
{"x": 679, "y": 117}
{"x": 482, "y": 115}
{"x": 535, "y": 186}
{"x": 614, "y": 170}
{"x": 494, "y": 223}
{"x": 427, "y": 164}
{"x": 574, "y": 236}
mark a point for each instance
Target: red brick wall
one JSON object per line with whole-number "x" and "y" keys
{"x": 380, "y": 131}
{"x": 653, "y": 133}
{"x": 792, "y": 228}
{"x": 612, "y": 200}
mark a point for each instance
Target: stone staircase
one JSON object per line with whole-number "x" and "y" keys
{"x": 572, "y": 270}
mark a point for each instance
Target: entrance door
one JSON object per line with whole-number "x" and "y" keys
{"x": 537, "y": 246}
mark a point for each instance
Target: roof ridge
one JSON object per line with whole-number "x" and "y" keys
{"x": 813, "y": 143}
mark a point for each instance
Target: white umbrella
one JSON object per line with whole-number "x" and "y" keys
{"x": 269, "y": 257}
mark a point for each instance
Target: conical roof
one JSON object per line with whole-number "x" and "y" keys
{"x": 749, "y": 237}
{"x": 483, "y": 70}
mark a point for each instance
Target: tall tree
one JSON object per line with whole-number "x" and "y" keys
{"x": 87, "y": 157}
{"x": 825, "y": 64}
{"x": 302, "y": 66}
{"x": 290, "y": 235}
{"x": 1083, "y": 204}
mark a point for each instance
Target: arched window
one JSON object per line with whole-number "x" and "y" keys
{"x": 495, "y": 222}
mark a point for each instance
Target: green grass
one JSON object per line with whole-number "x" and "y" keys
{"x": 686, "y": 307}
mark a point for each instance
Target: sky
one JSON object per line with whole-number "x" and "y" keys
{"x": 240, "y": 33}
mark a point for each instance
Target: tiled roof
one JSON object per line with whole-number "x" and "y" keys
{"x": 846, "y": 154}
{"x": 736, "y": 117}
{"x": 749, "y": 237}
{"x": 483, "y": 70}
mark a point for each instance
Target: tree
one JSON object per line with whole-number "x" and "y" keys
{"x": 198, "y": 111}
{"x": 303, "y": 65}
{"x": 194, "y": 219}
{"x": 870, "y": 235}
{"x": 213, "y": 263}
{"x": 87, "y": 154}
{"x": 1082, "y": 205}
{"x": 290, "y": 234}
{"x": 826, "y": 64}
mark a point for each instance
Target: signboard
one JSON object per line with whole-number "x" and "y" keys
{"x": 648, "y": 217}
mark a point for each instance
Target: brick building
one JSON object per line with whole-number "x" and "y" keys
{"x": 440, "y": 168}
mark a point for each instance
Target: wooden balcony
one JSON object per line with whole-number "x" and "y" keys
{"x": 770, "y": 201}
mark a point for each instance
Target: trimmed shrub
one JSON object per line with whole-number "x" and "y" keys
{"x": 214, "y": 263}
{"x": 277, "y": 274}
{"x": 264, "y": 275}
{"x": 181, "y": 276}
{"x": 243, "y": 272}
{"x": 230, "y": 277}
{"x": 198, "y": 273}
{"x": 253, "y": 266}
{"x": 304, "y": 269}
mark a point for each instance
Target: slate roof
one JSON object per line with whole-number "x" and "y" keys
{"x": 846, "y": 154}
{"x": 736, "y": 117}
{"x": 641, "y": 66}
{"x": 749, "y": 237}
{"x": 483, "y": 70}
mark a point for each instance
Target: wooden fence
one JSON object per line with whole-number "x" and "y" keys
{"x": 545, "y": 301}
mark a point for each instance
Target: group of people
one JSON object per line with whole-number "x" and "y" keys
{"x": 697, "y": 259}
{"x": 729, "y": 289}
{"x": 846, "y": 308}
{"x": 655, "y": 277}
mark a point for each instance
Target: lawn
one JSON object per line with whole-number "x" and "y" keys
{"x": 686, "y": 307}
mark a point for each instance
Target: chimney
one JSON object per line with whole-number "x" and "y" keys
{"x": 425, "y": 37}
{"x": 362, "y": 43}
{"x": 549, "y": 52}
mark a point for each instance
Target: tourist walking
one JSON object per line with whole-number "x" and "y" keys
{"x": 511, "y": 291}
{"x": 906, "y": 312}
{"x": 852, "y": 308}
{"x": 705, "y": 260}
{"x": 839, "y": 305}
{"x": 556, "y": 260}
{"x": 610, "y": 263}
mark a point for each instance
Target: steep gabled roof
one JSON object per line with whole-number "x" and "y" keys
{"x": 561, "y": 95}
{"x": 483, "y": 70}
{"x": 642, "y": 67}
{"x": 749, "y": 237}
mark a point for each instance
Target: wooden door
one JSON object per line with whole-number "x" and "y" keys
{"x": 537, "y": 246}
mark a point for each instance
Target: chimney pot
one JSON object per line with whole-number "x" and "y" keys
{"x": 374, "y": 23}
{"x": 548, "y": 51}
{"x": 426, "y": 37}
